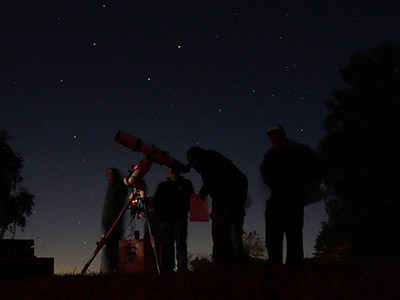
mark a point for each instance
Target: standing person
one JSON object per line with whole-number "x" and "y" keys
{"x": 227, "y": 186}
{"x": 113, "y": 204}
{"x": 288, "y": 169}
{"x": 171, "y": 203}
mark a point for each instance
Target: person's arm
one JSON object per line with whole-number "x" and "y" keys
{"x": 211, "y": 180}
{"x": 190, "y": 188}
{"x": 158, "y": 198}
{"x": 214, "y": 173}
{"x": 266, "y": 172}
{"x": 204, "y": 191}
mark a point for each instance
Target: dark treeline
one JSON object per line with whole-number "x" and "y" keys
{"x": 361, "y": 151}
{"x": 16, "y": 201}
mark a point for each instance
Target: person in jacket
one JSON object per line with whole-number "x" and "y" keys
{"x": 227, "y": 186}
{"x": 171, "y": 203}
{"x": 288, "y": 169}
{"x": 113, "y": 204}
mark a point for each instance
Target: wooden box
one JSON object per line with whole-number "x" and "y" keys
{"x": 136, "y": 256}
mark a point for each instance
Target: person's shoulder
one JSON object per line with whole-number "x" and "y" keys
{"x": 164, "y": 183}
{"x": 218, "y": 157}
{"x": 295, "y": 146}
{"x": 212, "y": 153}
{"x": 269, "y": 152}
{"x": 303, "y": 149}
{"x": 209, "y": 159}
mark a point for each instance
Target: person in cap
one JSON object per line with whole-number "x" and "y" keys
{"x": 288, "y": 169}
{"x": 227, "y": 186}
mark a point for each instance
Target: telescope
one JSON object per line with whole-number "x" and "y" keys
{"x": 152, "y": 153}
{"x": 137, "y": 199}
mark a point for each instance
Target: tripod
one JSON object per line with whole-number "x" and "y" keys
{"x": 137, "y": 205}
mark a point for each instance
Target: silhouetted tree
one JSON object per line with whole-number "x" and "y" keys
{"x": 15, "y": 200}
{"x": 200, "y": 262}
{"x": 254, "y": 246}
{"x": 361, "y": 150}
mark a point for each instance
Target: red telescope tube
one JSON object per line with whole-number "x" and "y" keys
{"x": 151, "y": 152}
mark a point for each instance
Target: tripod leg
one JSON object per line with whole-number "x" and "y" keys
{"x": 103, "y": 241}
{"x": 152, "y": 239}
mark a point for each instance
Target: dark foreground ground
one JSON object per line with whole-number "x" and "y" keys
{"x": 315, "y": 281}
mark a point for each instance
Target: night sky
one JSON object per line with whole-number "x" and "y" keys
{"x": 176, "y": 74}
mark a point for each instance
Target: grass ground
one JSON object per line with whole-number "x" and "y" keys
{"x": 314, "y": 281}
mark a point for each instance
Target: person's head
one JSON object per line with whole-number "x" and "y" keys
{"x": 113, "y": 175}
{"x": 173, "y": 174}
{"x": 277, "y": 136}
{"x": 193, "y": 156}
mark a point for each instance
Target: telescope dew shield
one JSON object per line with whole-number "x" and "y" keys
{"x": 151, "y": 152}
{"x": 127, "y": 140}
